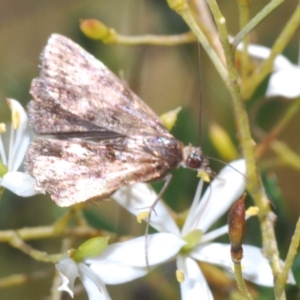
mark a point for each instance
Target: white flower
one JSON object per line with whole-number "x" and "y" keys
{"x": 69, "y": 270}
{"x": 285, "y": 78}
{"x": 118, "y": 263}
{"x": 19, "y": 183}
{"x": 224, "y": 190}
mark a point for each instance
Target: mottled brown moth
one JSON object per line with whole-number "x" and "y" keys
{"x": 96, "y": 135}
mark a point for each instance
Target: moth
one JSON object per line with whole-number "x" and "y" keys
{"x": 94, "y": 134}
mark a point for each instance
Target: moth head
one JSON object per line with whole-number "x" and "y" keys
{"x": 193, "y": 158}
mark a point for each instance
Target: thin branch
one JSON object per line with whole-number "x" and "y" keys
{"x": 182, "y": 8}
{"x": 240, "y": 281}
{"x": 293, "y": 250}
{"x": 280, "y": 126}
{"x": 20, "y": 279}
{"x": 156, "y": 40}
{"x": 256, "y": 20}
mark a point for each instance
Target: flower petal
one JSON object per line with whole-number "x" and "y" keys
{"x": 215, "y": 233}
{"x": 21, "y": 184}
{"x": 94, "y": 287}
{"x": 285, "y": 83}
{"x": 280, "y": 62}
{"x": 139, "y": 197}
{"x": 194, "y": 285}
{"x": 68, "y": 272}
{"x": 2, "y": 151}
{"x": 214, "y": 253}
{"x": 125, "y": 261}
{"x": 160, "y": 247}
{"x": 21, "y": 139}
{"x": 113, "y": 273}
{"x": 189, "y": 222}
{"x": 222, "y": 192}
{"x": 256, "y": 267}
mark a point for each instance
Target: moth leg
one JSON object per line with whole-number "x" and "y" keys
{"x": 168, "y": 179}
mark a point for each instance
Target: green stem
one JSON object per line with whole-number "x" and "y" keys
{"x": 157, "y": 40}
{"x": 256, "y": 20}
{"x": 240, "y": 281}
{"x": 282, "y": 278}
{"x": 37, "y": 255}
{"x": 281, "y": 124}
{"x": 44, "y": 232}
{"x": 240, "y": 114}
{"x": 254, "y": 184}
{"x": 286, "y": 155}
{"x": 21, "y": 279}
{"x": 182, "y": 8}
{"x": 203, "y": 17}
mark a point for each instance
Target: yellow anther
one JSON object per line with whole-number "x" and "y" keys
{"x": 15, "y": 118}
{"x": 142, "y": 216}
{"x": 180, "y": 276}
{"x": 2, "y": 128}
{"x": 203, "y": 175}
{"x": 252, "y": 211}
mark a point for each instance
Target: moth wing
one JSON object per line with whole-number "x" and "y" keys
{"x": 76, "y": 171}
{"x": 77, "y": 93}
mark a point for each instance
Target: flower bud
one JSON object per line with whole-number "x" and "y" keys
{"x": 90, "y": 248}
{"x": 222, "y": 142}
{"x": 96, "y": 30}
{"x": 170, "y": 117}
{"x": 236, "y": 224}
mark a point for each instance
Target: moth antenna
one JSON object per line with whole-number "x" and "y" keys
{"x": 200, "y": 91}
{"x": 225, "y": 164}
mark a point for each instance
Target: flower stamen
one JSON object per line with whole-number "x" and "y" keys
{"x": 16, "y": 119}
{"x": 2, "y": 128}
{"x": 142, "y": 216}
{"x": 180, "y": 276}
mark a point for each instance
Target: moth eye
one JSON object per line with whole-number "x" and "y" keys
{"x": 194, "y": 161}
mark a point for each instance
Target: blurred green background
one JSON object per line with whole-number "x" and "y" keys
{"x": 164, "y": 77}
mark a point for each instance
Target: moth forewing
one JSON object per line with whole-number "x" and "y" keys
{"x": 103, "y": 137}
